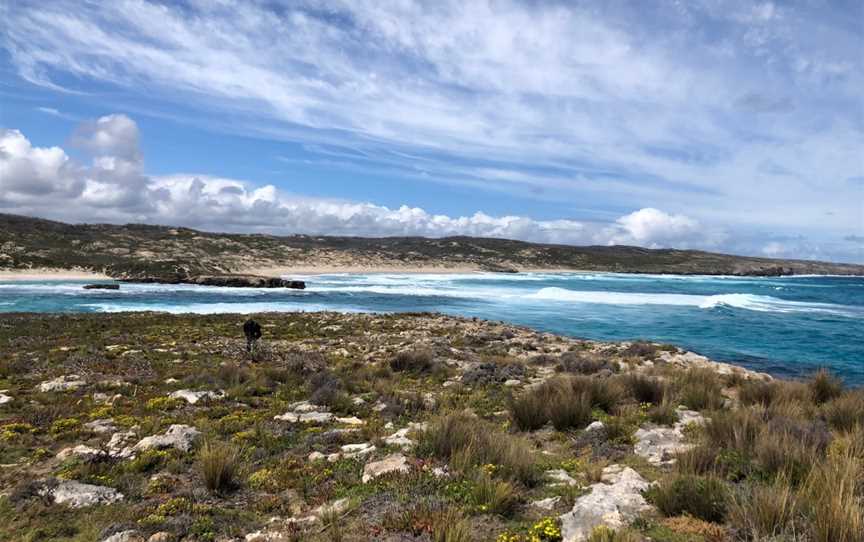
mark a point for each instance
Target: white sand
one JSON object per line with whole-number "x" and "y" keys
{"x": 50, "y": 274}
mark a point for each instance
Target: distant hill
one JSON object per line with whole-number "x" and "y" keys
{"x": 136, "y": 250}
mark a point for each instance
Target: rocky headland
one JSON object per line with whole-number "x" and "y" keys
{"x": 407, "y": 427}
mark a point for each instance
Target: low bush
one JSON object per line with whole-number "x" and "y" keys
{"x": 415, "y": 361}
{"x": 584, "y": 364}
{"x": 703, "y": 497}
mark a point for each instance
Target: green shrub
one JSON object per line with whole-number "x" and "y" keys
{"x": 703, "y": 497}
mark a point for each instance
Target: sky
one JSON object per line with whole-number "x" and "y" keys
{"x": 731, "y": 126}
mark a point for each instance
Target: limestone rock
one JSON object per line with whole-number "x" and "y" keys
{"x": 561, "y": 478}
{"x": 4, "y": 398}
{"x": 77, "y": 495}
{"x": 101, "y": 426}
{"x": 125, "y": 536}
{"x": 336, "y": 507}
{"x": 547, "y": 504}
{"x": 161, "y": 536}
{"x": 614, "y": 502}
{"x": 305, "y": 417}
{"x": 391, "y": 463}
{"x": 659, "y": 444}
{"x": 62, "y": 383}
{"x": 178, "y": 436}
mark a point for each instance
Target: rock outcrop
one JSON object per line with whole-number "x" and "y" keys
{"x": 77, "y": 495}
{"x": 614, "y": 502}
{"x": 230, "y": 281}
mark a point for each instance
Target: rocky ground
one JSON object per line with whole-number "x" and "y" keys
{"x": 416, "y": 427}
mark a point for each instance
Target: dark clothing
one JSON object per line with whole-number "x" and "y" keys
{"x": 252, "y": 330}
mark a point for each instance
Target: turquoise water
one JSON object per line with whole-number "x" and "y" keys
{"x": 785, "y": 326}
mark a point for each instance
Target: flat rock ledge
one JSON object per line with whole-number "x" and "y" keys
{"x": 230, "y": 281}
{"x": 62, "y": 383}
{"x": 181, "y": 437}
{"x": 659, "y": 444}
{"x": 614, "y": 502}
{"x": 391, "y": 463}
{"x": 193, "y": 397}
{"x": 77, "y": 495}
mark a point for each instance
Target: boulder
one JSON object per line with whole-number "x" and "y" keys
{"x": 178, "y": 436}
{"x": 77, "y": 495}
{"x": 391, "y": 463}
{"x": 4, "y": 398}
{"x": 614, "y": 502}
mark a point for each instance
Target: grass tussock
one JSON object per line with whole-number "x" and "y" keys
{"x": 645, "y": 389}
{"x": 700, "y": 389}
{"x": 703, "y": 497}
{"x": 467, "y": 441}
{"x": 566, "y": 402}
{"x": 219, "y": 466}
{"x": 824, "y": 386}
{"x": 845, "y": 412}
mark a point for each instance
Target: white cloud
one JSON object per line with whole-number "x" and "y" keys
{"x": 113, "y": 188}
{"x": 652, "y": 227}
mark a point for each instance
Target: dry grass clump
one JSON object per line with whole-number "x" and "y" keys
{"x": 700, "y": 389}
{"x": 493, "y": 496}
{"x": 415, "y": 361}
{"x": 765, "y": 511}
{"x": 219, "y": 465}
{"x": 645, "y": 389}
{"x": 467, "y": 442}
{"x": 824, "y": 386}
{"x": 758, "y": 392}
{"x": 832, "y": 502}
{"x": 565, "y": 401}
{"x": 845, "y": 412}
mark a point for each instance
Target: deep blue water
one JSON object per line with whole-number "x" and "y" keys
{"x": 784, "y": 326}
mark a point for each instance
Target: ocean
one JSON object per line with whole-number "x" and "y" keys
{"x": 788, "y": 326}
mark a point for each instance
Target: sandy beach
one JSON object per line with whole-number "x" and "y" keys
{"x": 50, "y": 274}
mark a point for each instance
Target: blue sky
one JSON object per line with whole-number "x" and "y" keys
{"x": 728, "y": 126}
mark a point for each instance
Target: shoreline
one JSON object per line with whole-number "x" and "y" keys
{"x": 37, "y": 274}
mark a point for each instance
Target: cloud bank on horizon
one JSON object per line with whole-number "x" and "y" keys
{"x": 733, "y": 126}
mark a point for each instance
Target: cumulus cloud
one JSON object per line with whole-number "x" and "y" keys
{"x": 114, "y": 188}
{"x": 653, "y": 227}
